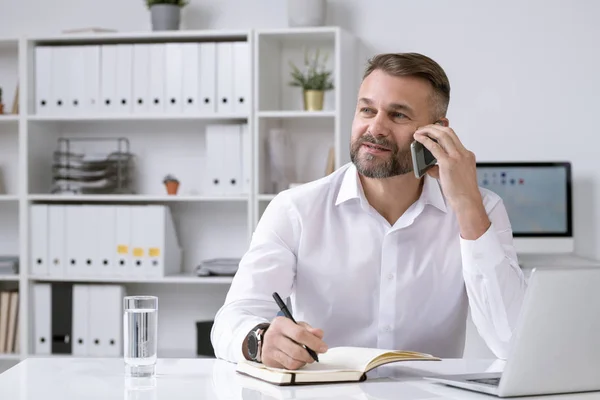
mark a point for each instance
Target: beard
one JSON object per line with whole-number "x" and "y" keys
{"x": 398, "y": 162}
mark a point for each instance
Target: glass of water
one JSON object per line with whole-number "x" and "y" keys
{"x": 140, "y": 330}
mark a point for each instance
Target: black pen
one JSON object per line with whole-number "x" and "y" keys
{"x": 288, "y": 314}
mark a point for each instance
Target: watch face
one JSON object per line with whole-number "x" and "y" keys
{"x": 252, "y": 346}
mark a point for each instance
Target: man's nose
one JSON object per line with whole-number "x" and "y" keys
{"x": 379, "y": 126}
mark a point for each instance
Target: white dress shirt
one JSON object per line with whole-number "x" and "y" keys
{"x": 368, "y": 283}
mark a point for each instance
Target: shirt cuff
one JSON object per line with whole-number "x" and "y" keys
{"x": 483, "y": 254}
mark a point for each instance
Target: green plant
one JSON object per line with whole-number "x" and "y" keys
{"x": 180, "y": 3}
{"x": 314, "y": 75}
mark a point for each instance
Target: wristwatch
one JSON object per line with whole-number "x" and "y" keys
{"x": 255, "y": 342}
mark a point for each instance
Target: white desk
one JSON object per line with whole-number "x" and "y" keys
{"x": 199, "y": 379}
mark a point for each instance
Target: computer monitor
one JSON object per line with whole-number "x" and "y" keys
{"x": 537, "y": 197}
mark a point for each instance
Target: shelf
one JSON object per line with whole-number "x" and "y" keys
{"x": 9, "y": 118}
{"x": 266, "y": 197}
{"x": 141, "y": 198}
{"x": 8, "y": 197}
{"x": 297, "y": 114}
{"x": 301, "y": 34}
{"x": 11, "y": 356}
{"x": 143, "y": 37}
{"x": 9, "y": 278}
{"x": 187, "y": 279}
{"x": 136, "y": 117}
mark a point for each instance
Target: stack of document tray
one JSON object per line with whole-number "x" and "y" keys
{"x": 77, "y": 172}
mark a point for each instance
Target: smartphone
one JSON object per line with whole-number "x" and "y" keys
{"x": 422, "y": 158}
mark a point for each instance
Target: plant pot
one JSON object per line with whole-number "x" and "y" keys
{"x": 165, "y": 17}
{"x": 313, "y": 100}
{"x": 172, "y": 187}
{"x": 306, "y": 12}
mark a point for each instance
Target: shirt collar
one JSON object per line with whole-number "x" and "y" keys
{"x": 351, "y": 188}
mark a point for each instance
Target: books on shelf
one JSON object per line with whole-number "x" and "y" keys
{"x": 87, "y": 240}
{"x": 78, "y": 319}
{"x": 140, "y": 78}
{"x": 9, "y": 321}
{"x": 338, "y": 364}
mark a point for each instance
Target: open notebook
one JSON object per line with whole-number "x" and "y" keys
{"x": 338, "y": 364}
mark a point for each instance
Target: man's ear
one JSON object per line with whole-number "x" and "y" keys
{"x": 443, "y": 122}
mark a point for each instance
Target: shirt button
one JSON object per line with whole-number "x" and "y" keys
{"x": 388, "y": 328}
{"x": 391, "y": 276}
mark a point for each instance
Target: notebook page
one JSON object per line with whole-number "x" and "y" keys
{"x": 339, "y": 359}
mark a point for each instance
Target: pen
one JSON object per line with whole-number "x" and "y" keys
{"x": 288, "y": 314}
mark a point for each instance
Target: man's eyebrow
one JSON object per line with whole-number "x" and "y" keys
{"x": 393, "y": 106}
{"x": 401, "y": 107}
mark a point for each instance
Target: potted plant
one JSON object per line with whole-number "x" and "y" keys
{"x": 166, "y": 14}
{"x": 171, "y": 183}
{"x": 314, "y": 80}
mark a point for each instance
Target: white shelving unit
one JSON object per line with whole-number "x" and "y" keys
{"x": 207, "y": 226}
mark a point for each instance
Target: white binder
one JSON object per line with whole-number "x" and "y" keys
{"x": 225, "y": 103}
{"x": 157, "y": 78}
{"x": 138, "y": 225}
{"x": 75, "y": 244}
{"x": 122, "y": 249}
{"x": 212, "y": 174}
{"x": 106, "y": 320}
{"x": 108, "y": 80}
{"x": 241, "y": 77}
{"x": 101, "y": 243}
{"x": 60, "y": 80}
{"x": 38, "y": 229}
{"x": 91, "y": 56}
{"x": 155, "y": 246}
{"x": 43, "y": 80}
{"x": 231, "y": 161}
{"x": 190, "y": 78}
{"x": 75, "y": 84}
{"x": 246, "y": 143}
{"x": 163, "y": 251}
{"x": 141, "y": 78}
{"x": 208, "y": 77}
{"x": 174, "y": 78}
{"x": 81, "y": 320}
{"x": 42, "y": 314}
{"x": 57, "y": 231}
{"x": 223, "y": 170}
{"x": 124, "y": 72}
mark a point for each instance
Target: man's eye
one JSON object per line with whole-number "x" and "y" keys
{"x": 398, "y": 115}
{"x": 365, "y": 110}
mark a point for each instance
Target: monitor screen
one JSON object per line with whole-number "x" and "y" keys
{"x": 537, "y": 196}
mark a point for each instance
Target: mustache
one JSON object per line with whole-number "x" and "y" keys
{"x": 379, "y": 142}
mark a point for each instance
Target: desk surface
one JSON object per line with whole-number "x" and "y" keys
{"x": 90, "y": 378}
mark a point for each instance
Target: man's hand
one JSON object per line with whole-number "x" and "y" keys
{"x": 282, "y": 344}
{"x": 457, "y": 172}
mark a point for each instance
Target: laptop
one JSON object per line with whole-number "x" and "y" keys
{"x": 555, "y": 346}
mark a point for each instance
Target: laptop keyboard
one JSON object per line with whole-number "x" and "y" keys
{"x": 487, "y": 381}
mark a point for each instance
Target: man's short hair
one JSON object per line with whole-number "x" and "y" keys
{"x": 415, "y": 64}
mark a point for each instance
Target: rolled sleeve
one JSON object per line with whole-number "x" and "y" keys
{"x": 268, "y": 266}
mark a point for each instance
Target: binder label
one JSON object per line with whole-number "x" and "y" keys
{"x": 138, "y": 252}
{"x": 154, "y": 252}
{"x": 122, "y": 249}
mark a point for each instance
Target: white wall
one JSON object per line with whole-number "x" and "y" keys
{"x": 524, "y": 74}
